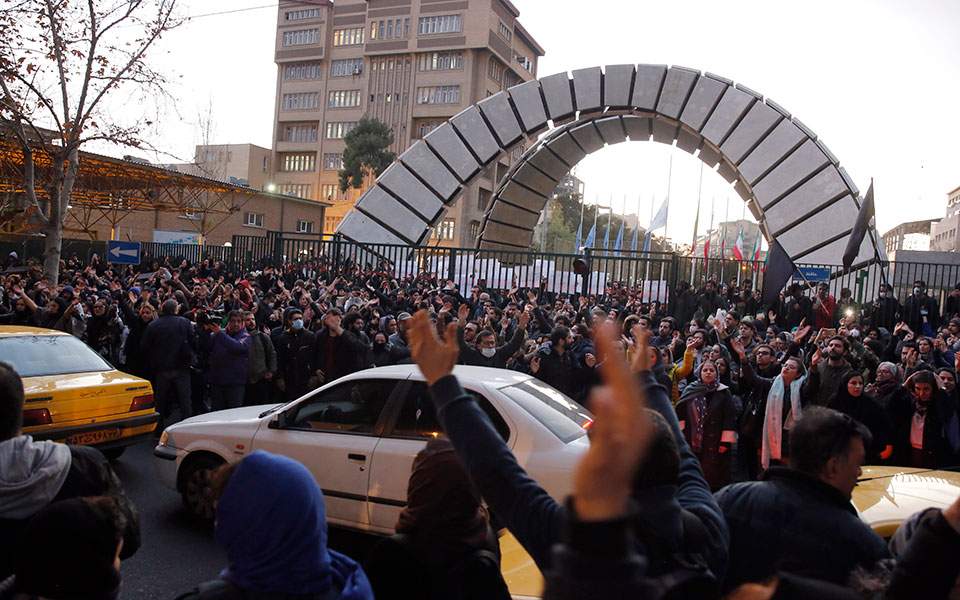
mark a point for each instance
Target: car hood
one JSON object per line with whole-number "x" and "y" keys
{"x": 247, "y": 413}
{"x": 887, "y": 496}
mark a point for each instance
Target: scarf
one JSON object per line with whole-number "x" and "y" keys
{"x": 773, "y": 424}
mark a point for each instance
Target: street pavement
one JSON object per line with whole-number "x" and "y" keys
{"x": 178, "y": 553}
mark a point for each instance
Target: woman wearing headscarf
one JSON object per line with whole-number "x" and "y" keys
{"x": 271, "y": 520}
{"x": 708, "y": 419}
{"x": 445, "y": 548}
{"x": 887, "y": 386}
{"x": 774, "y": 406}
{"x": 851, "y": 399}
{"x": 71, "y": 549}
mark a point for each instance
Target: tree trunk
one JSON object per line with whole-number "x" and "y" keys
{"x": 51, "y": 251}
{"x": 61, "y": 188}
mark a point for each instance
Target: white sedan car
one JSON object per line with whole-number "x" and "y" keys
{"x": 359, "y": 435}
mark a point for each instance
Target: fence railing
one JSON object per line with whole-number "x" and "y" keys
{"x": 655, "y": 273}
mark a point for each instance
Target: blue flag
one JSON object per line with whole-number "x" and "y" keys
{"x": 661, "y": 217}
{"x": 633, "y": 242}
{"x": 618, "y": 244}
{"x": 576, "y": 244}
{"x": 606, "y": 237}
{"x": 591, "y": 237}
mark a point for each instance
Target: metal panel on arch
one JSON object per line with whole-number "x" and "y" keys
{"x": 791, "y": 181}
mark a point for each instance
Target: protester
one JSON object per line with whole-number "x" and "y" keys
{"x": 228, "y": 361}
{"x": 851, "y": 400}
{"x": 271, "y": 522}
{"x": 708, "y": 420}
{"x": 168, "y": 346}
{"x": 296, "y": 350}
{"x": 262, "y": 364}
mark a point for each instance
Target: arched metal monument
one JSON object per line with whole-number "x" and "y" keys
{"x": 793, "y": 185}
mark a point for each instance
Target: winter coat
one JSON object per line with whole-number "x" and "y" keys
{"x": 35, "y": 474}
{"x": 263, "y": 357}
{"x": 822, "y": 382}
{"x": 168, "y": 344}
{"x": 936, "y": 450}
{"x": 558, "y": 371}
{"x": 295, "y": 356}
{"x": 710, "y": 430}
{"x": 928, "y": 567}
{"x": 229, "y": 358}
{"x": 342, "y": 354}
{"x": 472, "y": 356}
{"x": 794, "y": 522}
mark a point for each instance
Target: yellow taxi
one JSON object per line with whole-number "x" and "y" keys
{"x": 75, "y": 396}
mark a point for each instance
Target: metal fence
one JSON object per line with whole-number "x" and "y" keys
{"x": 655, "y": 273}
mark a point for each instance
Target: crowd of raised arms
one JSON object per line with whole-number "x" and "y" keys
{"x": 727, "y": 436}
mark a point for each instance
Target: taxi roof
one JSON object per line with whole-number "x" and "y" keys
{"x": 19, "y": 330}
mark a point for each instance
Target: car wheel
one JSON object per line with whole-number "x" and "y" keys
{"x": 114, "y": 453}
{"x": 197, "y": 488}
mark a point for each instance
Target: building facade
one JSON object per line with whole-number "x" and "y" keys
{"x": 240, "y": 164}
{"x": 411, "y": 64}
{"x": 914, "y": 235}
{"x": 943, "y": 233}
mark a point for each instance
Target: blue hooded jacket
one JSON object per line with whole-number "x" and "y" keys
{"x": 271, "y": 520}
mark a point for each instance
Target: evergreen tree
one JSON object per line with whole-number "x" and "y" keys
{"x": 366, "y": 153}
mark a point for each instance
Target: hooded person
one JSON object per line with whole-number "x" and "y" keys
{"x": 71, "y": 549}
{"x": 271, "y": 521}
{"x": 36, "y": 474}
{"x": 851, "y": 399}
{"x": 708, "y": 419}
{"x": 443, "y": 536}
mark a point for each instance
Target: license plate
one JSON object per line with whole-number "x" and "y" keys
{"x": 94, "y": 437}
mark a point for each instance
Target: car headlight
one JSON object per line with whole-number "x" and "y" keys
{"x": 165, "y": 439}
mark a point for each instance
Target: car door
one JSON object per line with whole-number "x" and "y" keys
{"x": 411, "y": 422}
{"x": 334, "y": 434}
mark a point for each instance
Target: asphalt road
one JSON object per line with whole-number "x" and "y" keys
{"x": 177, "y": 552}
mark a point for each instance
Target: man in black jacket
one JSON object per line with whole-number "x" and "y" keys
{"x": 295, "y": 355}
{"x": 921, "y": 312}
{"x": 168, "y": 347}
{"x": 342, "y": 346}
{"x": 35, "y": 474}
{"x": 486, "y": 353}
{"x": 800, "y": 519}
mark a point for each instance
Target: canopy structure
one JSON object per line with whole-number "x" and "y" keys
{"x": 109, "y": 189}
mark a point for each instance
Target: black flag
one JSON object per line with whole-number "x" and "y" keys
{"x": 778, "y": 271}
{"x": 860, "y": 228}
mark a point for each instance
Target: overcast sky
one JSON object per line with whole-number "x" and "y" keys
{"x": 877, "y": 80}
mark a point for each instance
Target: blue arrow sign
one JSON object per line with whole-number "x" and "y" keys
{"x": 123, "y": 253}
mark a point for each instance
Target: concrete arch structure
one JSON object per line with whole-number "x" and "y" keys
{"x": 792, "y": 183}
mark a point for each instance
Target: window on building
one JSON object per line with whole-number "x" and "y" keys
{"x": 252, "y": 219}
{"x": 301, "y": 101}
{"x": 333, "y": 161}
{"x": 298, "y": 190}
{"x": 300, "y": 162}
{"x": 337, "y": 130}
{"x": 343, "y": 98}
{"x": 301, "y": 37}
{"x": 425, "y": 127}
{"x": 525, "y": 62}
{"x": 303, "y": 14}
{"x": 304, "y": 226}
{"x": 352, "y": 36}
{"x": 445, "y": 230}
{"x": 266, "y": 164}
{"x": 300, "y": 133}
{"x": 483, "y": 199}
{"x": 474, "y": 229}
{"x": 439, "y": 94}
{"x": 495, "y": 70}
{"x": 390, "y": 29}
{"x": 346, "y": 67}
{"x": 440, "y": 61}
{"x": 331, "y": 223}
{"x": 504, "y": 31}
{"x": 302, "y": 71}
{"x": 440, "y": 24}
{"x": 329, "y": 191}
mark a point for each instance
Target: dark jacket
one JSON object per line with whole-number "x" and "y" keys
{"x": 928, "y": 568}
{"x": 936, "y": 449}
{"x": 559, "y": 371}
{"x": 342, "y": 354}
{"x": 793, "y": 522}
{"x": 822, "y": 383}
{"x": 89, "y": 474}
{"x": 916, "y": 308}
{"x": 295, "y": 356}
{"x": 537, "y": 520}
{"x": 229, "y": 358}
{"x": 472, "y": 356}
{"x": 168, "y": 344}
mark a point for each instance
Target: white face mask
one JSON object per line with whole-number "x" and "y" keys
{"x": 488, "y": 352}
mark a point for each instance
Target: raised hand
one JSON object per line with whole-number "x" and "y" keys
{"x": 463, "y": 313}
{"x": 815, "y": 359}
{"x": 641, "y": 357}
{"x": 523, "y": 320}
{"x": 737, "y": 346}
{"x": 620, "y": 436}
{"x": 434, "y": 356}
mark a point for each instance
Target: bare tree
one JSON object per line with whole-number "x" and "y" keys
{"x": 64, "y": 65}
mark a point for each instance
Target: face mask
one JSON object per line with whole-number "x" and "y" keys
{"x": 883, "y": 294}
{"x": 916, "y": 291}
{"x": 488, "y": 352}
{"x": 380, "y": 345}
{"x": 298, "y": 324}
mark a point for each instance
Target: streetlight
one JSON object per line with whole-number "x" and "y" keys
{"x": 271, "y": 187}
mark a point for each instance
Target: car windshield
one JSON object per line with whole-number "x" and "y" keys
{"x": 36, "y": 355}
{"x": 562, "y": 416}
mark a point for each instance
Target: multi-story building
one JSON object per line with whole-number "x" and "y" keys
{"x": 243, "y": 164}
{"x": 944, "y": 233}
{"x": 724, "y": 237}
{"x": 411, "y": 64}
{"x": 914, "y": 235}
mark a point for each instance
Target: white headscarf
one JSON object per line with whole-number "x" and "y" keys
{"x": 773, "y": 418}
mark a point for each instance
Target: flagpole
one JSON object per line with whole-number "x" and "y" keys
{"x": 580, "y": 227}
{"x": 666, "y": 225}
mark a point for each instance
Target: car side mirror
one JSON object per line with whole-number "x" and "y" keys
{"x": 279, "y": 421}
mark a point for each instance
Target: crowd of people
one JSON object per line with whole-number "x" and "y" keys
{"x": 727, "y": 440}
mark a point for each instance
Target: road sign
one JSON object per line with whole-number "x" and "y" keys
{"x": 123, "y": 253}
{"x": 814, "y": 274}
